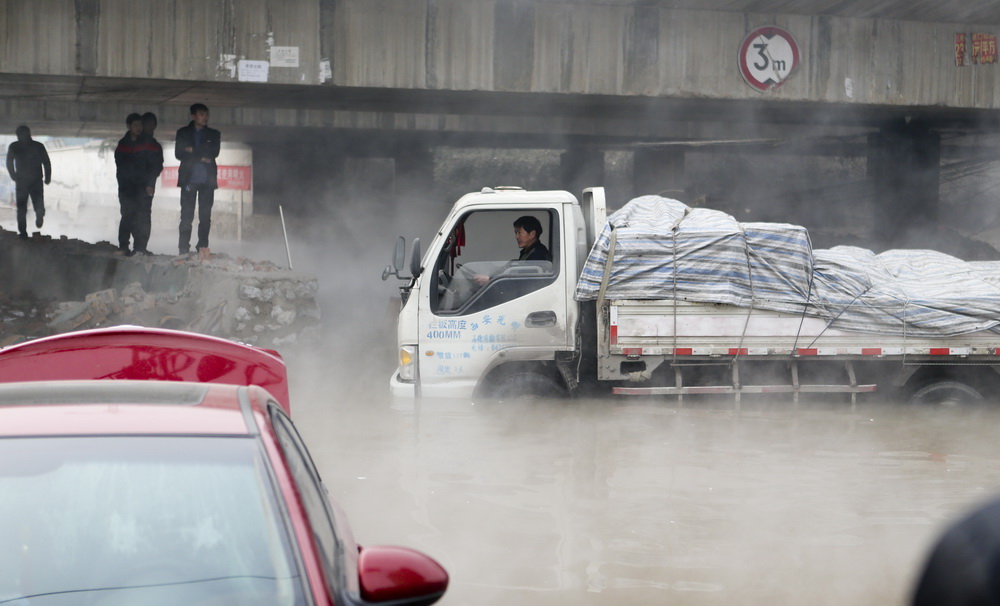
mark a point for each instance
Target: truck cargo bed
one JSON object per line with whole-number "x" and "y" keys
{"x": 643, "y": 327}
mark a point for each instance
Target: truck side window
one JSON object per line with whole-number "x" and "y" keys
{"x": 479, "y": 265}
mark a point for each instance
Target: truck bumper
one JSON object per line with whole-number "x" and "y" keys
{"x": 402, "y": 395}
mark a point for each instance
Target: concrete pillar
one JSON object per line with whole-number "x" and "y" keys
{"x": 414, "y": 207}
{"x": 659, "y": 171}
{"x": 581, "y": 168}
{"x": 904, "y": 171}
{"x": 295, "y": 175}
{"x": 414, "y": 173}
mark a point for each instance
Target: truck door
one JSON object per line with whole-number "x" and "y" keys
{"x": 484, "y": 303}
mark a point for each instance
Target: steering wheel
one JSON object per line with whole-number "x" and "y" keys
{"x": 444, "y": 282}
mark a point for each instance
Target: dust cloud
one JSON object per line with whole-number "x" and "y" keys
{"x": 611, "y": 502}
{"x": 617, "y": 501}
{"x": 614, "y": 501}
{"x": 602, "y": 501}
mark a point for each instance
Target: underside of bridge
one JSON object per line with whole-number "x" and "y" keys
{"x": 840, "y": 167}
{"x": 837, "y": 169}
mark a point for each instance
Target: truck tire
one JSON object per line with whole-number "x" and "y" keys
{"x": 946, "y": 394}
{"x": 528, "y": 386}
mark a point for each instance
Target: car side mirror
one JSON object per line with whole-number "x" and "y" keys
{"x": 402, "y": 576}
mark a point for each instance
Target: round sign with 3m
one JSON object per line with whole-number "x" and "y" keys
{"x": 768, "y": 56}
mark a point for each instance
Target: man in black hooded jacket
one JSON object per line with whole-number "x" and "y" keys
{"x": 26, "y": 161}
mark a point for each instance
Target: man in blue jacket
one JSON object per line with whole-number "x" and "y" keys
{"x": 197, "y": 147}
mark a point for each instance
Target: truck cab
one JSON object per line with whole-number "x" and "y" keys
{"x": 476, "y": 320}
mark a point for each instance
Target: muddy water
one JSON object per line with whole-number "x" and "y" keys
{"x": 647, "y": 503}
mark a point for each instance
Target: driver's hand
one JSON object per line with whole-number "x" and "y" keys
{"x": 481, "y": 279}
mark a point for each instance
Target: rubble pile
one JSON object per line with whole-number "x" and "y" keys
{"x": 61, "y": 285}
{"x": 19, "y": 316}
{"x": 132, "y": 305}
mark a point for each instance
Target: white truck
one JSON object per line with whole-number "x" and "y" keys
{"x": 705, "y": 305}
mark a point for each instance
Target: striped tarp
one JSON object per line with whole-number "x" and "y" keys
{"x": 665, "y": 249}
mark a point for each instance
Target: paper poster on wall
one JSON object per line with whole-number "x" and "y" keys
{"x": 284, "y": 56}
{"x": 252, "y": 71}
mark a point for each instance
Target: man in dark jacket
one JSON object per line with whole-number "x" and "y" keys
{"x": 151, "y": 163}
{"x": 26, "y": 161}
{"x": 131, "y": 183}
{"x": 197, "y": 147}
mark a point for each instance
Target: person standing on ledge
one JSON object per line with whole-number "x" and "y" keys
{"x": 26, "y": 160}
{"x": 197, "y": 147}
{"x": 131, "y": 183}
{"x": 151, "y": 154}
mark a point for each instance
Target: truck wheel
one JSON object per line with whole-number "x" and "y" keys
{"x": 528, "y": 386}
{"x": 946, "y": 394}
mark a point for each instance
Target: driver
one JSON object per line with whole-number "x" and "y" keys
{"x": 527, "y": 230}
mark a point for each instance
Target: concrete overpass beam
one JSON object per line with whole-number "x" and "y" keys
{"x": 904, "y": 171}
{"x": 659, "y": 171}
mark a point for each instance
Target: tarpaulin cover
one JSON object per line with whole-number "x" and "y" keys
{"x": 666, "y": 249}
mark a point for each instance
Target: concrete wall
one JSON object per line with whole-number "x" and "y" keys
{"x": 85, "y": 189}
{"x": 507, "y": 45}
{"x": 636, "y": 50}
{"x": 171, "y": 39}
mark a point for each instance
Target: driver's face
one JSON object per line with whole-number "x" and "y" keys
{"x": 524, "y": 238}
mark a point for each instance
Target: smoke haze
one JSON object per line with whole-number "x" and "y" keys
{"x": 600, "y": 502}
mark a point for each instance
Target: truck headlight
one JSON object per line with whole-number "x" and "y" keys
{"x": 407, "y": 362}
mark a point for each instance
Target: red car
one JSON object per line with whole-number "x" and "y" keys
{"x": 117, "y": 492}
{"x": 147, "y": 354}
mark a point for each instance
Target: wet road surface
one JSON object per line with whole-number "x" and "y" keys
{"x": 626, "y": 502}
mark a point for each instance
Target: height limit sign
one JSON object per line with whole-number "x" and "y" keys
{"x": 768, "y": 56}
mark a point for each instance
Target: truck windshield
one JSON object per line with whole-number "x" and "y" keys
{"x": 153, "y": 520}
{"x": 479, "y": 265}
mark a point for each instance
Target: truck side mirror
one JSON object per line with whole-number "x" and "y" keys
{"x": 415, "y": 259}
{"x": 398, "y": 256}
{"x": 399, "y": 253}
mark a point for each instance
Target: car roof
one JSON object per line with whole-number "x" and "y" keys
{"x": 122, "y": 407}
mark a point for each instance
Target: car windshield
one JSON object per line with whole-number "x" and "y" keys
{"x": 110, "y": 521}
